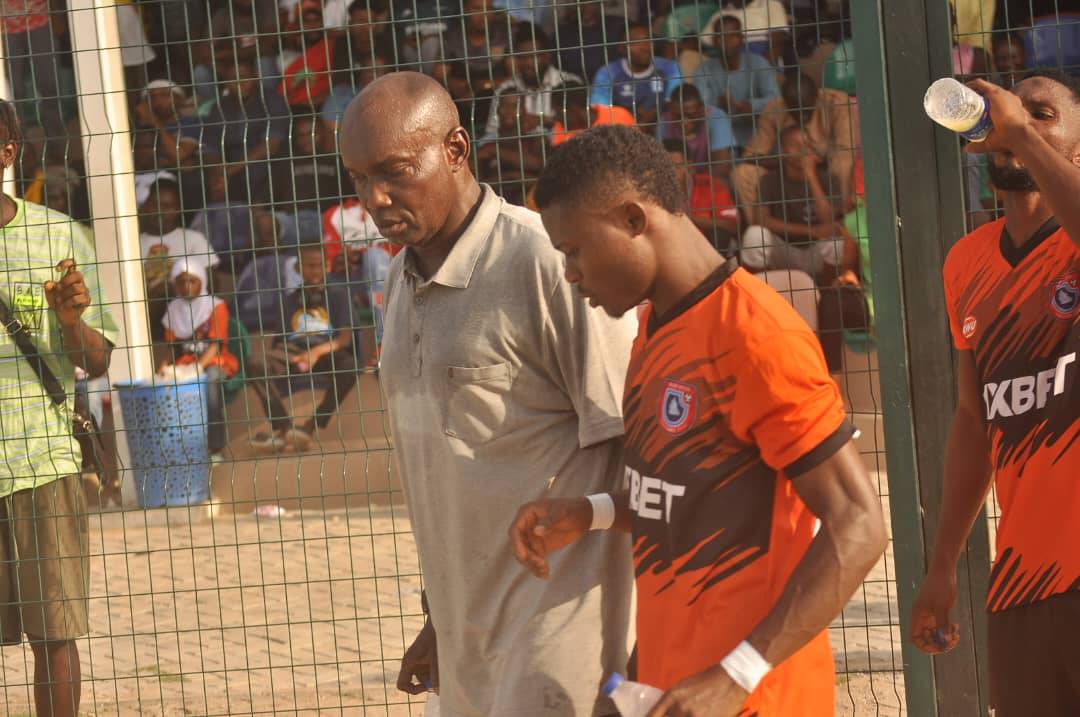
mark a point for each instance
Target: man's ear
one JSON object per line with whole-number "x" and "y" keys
{"x": 458, "y": 146}
{"x": 9, "y": 153}
{"x": 635, "y": 219}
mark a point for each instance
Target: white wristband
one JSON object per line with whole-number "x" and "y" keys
{"x": 746, "y": 666}
{"x": 603, "y": 511}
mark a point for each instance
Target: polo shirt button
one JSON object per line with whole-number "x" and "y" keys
{"x": 419, "y": 300}
{"x": 416, "y": 338}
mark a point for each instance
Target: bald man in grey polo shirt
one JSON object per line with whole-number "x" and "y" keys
{"x": 504, "y": 386}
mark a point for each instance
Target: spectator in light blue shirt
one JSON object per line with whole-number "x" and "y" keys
{"x": 705, "y": 132}
{"x": 739, "y": 82}
{"x": 640, "y": 82}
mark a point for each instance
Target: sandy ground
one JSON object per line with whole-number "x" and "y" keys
{"x": 303, "y": 614}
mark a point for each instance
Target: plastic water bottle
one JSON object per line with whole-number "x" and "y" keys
{"x": 957, "y": 107}
{"x": 431, "y": 707}
{"x": 632, "y": 698}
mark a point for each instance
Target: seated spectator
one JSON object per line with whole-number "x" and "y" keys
{"x": 65, "y": 192}
{"x": 1010, "y": 58}
{"x": 247, "y": 127}
{"x": 639, "y": 82}
{"x": 533, "y": 77}
{"x": 419, "y": 27}
{"x": 164, "y": 107}
{"x": 233, "y": 227}
{"x": 830, "y": 128}
{"x": 709, "y": 201}
{"x": 307, "y": 70}
{"x": 479, "y": 39}
{"x": 513, "y": 160}
{"x": 197, "y": 330}
{"x": 311, "y": 178}
{"x": 244, "y": 29}
{"x": 368, "y": 29}
{"x": 800, "y": 228}
{"x": 705, "y": 132}
{"x": 356, "y": 251}
{"x": 163, "y": 240}
{"x": 318, "y": 339}
{"x": 766, "y": 25}
{"x": 586, "y": 37}
{"x": 580, "y": 115}
{"x": 472, "y": 106}
{"x": 378, "y": 62}
{"x": 738, "y": 81}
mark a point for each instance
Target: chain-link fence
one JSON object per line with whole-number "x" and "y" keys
{"x": 187, "y": 153}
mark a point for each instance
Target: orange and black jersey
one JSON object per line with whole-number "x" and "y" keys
{"x": 727, "y": 398}
{"x": 1018, "y": 312}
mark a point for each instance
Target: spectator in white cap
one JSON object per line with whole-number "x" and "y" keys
{"x": 166, "y": 107}
{"x": 197, "y": 330}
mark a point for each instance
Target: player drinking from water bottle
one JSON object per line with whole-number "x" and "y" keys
{"x": 1012, "y": 289}
{"x": 752, "y": 516}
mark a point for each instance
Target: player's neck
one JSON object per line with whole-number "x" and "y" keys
{"x": 1025, "y": 213}
{"x": 687, "y": 260}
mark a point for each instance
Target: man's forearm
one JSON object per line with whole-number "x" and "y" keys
{"x": 1058, "y": 179}
{"x": 834, "y": 566}
{"x": 86, "y": 348}
{"x": 967, "y": 481}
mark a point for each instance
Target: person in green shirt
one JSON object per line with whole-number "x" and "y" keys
{"x": 48, "y": 280}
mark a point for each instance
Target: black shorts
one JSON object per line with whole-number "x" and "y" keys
{"x": 1035, "y": 659}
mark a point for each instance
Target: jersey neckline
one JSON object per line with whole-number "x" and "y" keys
{"x": 706, "y": 287}
{"x": 1015, "y": 254}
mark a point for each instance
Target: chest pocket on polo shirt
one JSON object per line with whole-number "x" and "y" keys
{"x": 477, "y": 402}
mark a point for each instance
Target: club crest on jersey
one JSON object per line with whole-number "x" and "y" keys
{"x": 1065, "y": 296}
{"x": 969, "y": 327}
{"x": 678, "y": 404}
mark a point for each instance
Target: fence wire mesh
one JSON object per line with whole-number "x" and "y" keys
{"x": 285, "y": 577}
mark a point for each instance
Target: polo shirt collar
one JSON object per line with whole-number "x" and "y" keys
{"x": 457, "y": 270}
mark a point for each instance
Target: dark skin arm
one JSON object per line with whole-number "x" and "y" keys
{"x": 968, "y": 477}
{"x": 341, "y": 341}
{"x": 851, "y": 540}
{"x": 1057, "y": 176}
{"x": 68, "y": 298}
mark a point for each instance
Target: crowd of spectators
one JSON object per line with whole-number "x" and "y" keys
{"x": 234, "y": 109}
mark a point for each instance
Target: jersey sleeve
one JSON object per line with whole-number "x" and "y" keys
{"x": 787, "y": 404}
{"x": 956, "y": 322}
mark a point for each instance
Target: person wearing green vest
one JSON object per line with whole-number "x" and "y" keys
{"x": 48, "y": 283}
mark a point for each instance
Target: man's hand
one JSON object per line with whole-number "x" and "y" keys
{"x": 711, "y": 693}
{"x": 69, "y": 297}
{"x": 544, "y": 526}
{"x": 931, "y": 630}
{"x": 420, "y": 666}
{"x": 1007, "y": 114}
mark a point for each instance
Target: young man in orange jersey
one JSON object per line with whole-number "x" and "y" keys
{"x": 1012, "y": 289}
{"x": 752, "y": 516}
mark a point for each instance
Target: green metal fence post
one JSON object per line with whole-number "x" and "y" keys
{"x": 915, "y": 211}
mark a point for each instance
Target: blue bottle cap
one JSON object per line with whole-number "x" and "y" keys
{"x": 612, "y": 683}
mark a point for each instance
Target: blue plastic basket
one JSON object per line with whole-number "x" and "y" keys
{"x": 166, "y": 430}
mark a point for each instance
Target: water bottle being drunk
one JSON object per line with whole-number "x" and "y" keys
{"x": 957, "y": 107}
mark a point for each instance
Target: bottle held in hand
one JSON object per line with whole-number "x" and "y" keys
{"x": 957, "y": 107}
{"x": 633, "y": 699}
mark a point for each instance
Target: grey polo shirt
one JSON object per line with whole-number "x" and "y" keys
{"x": 504, "y": 387}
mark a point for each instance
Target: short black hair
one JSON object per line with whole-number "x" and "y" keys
{"x": 1013, "y": 37}
{"x": 719, "y": 24}
{"x": 10, "y": 128}
{"x": 1070, "y": 82}
{"x": 527, "y": 32}
{"x": 604, "y": 160}
{"x": 686, "y": 92}
{"x": 574, "y": 94}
